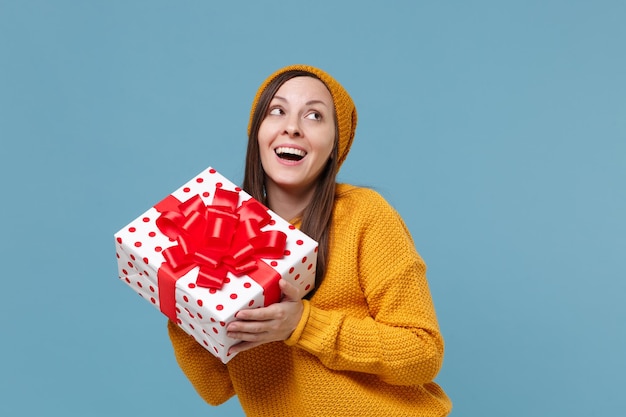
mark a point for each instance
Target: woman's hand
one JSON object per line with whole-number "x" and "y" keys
{"x": 267, "y": 324}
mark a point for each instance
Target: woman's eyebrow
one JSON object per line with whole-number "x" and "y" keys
{"x": 308, "y": 103}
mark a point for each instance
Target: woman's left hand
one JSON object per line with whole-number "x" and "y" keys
{"x": 267, "y": 324}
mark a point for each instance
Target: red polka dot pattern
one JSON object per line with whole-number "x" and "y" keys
{"x": 139, "y": 252}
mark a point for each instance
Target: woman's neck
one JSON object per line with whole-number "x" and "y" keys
{"x": 288, "y": 204}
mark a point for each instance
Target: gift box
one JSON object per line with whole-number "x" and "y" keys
{"x": 209, "y": 250}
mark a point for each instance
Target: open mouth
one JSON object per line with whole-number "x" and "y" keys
{"x": 290, "y": 154}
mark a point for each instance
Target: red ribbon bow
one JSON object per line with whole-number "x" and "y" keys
{"x": 218, "y": 238}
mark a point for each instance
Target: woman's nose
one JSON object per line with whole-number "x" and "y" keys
{"x": 293, "y": 127}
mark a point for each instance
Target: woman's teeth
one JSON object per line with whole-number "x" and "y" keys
{"x": 292, "y": 154}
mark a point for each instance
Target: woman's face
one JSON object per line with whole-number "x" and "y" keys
{"x": 297, "y": 135}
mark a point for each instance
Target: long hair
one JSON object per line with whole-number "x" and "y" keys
{"x": 317, "y": 216}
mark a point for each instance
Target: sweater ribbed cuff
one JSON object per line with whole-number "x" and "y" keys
{"x": 312, "y": 330}
{"x": 295, "y": 336}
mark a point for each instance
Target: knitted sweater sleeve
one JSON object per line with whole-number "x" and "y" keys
{"x": 206, "y": 373}
{"x": 398, "y": 339}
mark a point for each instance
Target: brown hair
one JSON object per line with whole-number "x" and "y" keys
{"x": 317, "y": 216}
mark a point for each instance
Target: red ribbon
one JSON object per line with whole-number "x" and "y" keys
{"x": 218, "y": 238}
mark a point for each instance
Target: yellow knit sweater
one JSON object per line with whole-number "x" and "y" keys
{"x": 368, "y": 343}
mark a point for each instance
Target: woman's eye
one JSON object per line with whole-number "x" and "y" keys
{"x": 276, "y": 111}
{"x": 314, "y": 116}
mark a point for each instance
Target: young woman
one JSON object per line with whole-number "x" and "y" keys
{"x": 366, "y": 342}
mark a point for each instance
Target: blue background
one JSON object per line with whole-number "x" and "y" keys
{"x": 497, "y": 129}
